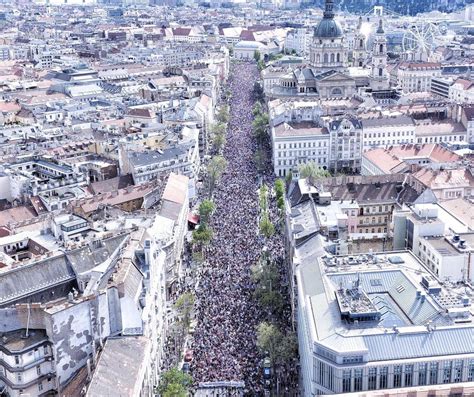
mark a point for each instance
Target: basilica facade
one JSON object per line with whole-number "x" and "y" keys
{"x": 327, "y": 74}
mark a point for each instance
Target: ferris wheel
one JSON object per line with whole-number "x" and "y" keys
{"x": 420, "y": 38}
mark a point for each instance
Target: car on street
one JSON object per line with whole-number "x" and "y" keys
{"x": 267, "y": 373}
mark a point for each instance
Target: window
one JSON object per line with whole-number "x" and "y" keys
{"x": 422, "y": 367}
{"x": 447, "y": 372}
{"x": 397, "y": 376}
{"x": 18, "y": 377}
{"x": 383, "y": 378}
{"x": 433, "y": 373}
{"x": 346, "y": 380}
{"x": 457, "y": 371}
{"x": 38, "y": 369}
{"x": 17, "y": 360}
{"x": 470, "y": 369}
{"x": 408, "y": 375}
{"x": 358, "y": 380}
{"x": 372, "y": 385}
{"x": 40, "y": 386}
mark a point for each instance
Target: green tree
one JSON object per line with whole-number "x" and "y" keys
{"x": 174, "y": 383}
{"x": 279, "y": 188}
{"x": 257, "y": 109}
{"x": 219, "y": 142}
{"x": 223, "y": 114}
{"x": 266, "y": 226}
{"x": 272, "y": 300}
{"x": 281, "y": 203}
{"x": 184, "y": 306}
{"x": 202, "y": 236}
{"x": 206, "y": 208}
{"x": 257, "y": 92}
{"x": 215, "y": 169}
{"x": 289, "y": 177}
{"x": 256, "y": 56}
{"x": 268, "y": 339}
{"x": 260, "y": 159}
{"x": 288, "y": 348}
{"x": 260, "y": 126}
{"x": 312, "y": 172}
{"x": 218, "y": 128}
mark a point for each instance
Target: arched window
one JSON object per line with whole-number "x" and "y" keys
{"x": 380, "y": 72}
{"x": 338, "y": 57}
{"x": 381, "y": 48}
{"x": 332, "y": 58}
{"x": 360, "y": 63}
{"x": 336, "y": 92}
{"x": 361, "y": 43}
{"x": 325, "y": 58}
{"x": 318, "y": 58}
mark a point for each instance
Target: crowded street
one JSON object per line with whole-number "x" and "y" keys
{"x": 227, "y": 314}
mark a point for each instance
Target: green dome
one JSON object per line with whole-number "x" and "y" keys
{"x": 328, "y": 28}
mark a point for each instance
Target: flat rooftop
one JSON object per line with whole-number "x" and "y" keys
{"x": 442, "y": 246}
{"x": 393, "y": 307}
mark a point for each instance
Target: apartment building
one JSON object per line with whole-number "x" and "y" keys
{"x": 27, "y": 365}
{"x": 388, "y": 131}
{"x": 298, "y": 143}
{"x": 415, "y": 76}
{"x": 462, "y": 91}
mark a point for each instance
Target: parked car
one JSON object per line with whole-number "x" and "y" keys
{"x": 267, "y": 374}
{"x": 267, "y": 369}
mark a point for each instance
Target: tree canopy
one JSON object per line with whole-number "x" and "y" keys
{"x": 174, "y": 383}
{"x": 312, "y": 172}
{"x": 206, "y": 208}
{"x": 215, "y": 169}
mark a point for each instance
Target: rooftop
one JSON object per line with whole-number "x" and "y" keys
{"x": 121, "y": 367}
{"x": 386, "y": 306}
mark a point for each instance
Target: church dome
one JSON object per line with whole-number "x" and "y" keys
{"x": 328, "y": 28}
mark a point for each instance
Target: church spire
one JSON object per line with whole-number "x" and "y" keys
{"x": 329, "y": 9}
{"x": 380, "y": 28}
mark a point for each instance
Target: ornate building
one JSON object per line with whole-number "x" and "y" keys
{"x": 359, "y": 53}
{"x": 327, "y": 74}
{"x": 329, "y": 48}
{"x": 379, "y": 78}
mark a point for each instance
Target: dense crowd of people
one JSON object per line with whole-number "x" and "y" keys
{"x": 225, "y": 338}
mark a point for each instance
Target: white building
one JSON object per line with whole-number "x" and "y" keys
{"x": 387, "y": 131}
{"x": 381, "y": 322}
{"x": 298, "y": 40}
{"x": 27, "y": 363}
{"x": 415, "y": 77}
{"x": 246, "y": 50}
{"x": 299, "y": 143}
{"x": 462, "y": 91}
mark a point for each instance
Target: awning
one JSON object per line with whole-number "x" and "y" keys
{"x": 193, "y": 218}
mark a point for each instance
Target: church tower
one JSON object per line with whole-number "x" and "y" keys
{"x": 379, "y": 79}
{"x": 328, "y": 51}
{"x": 359, "y": 54}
